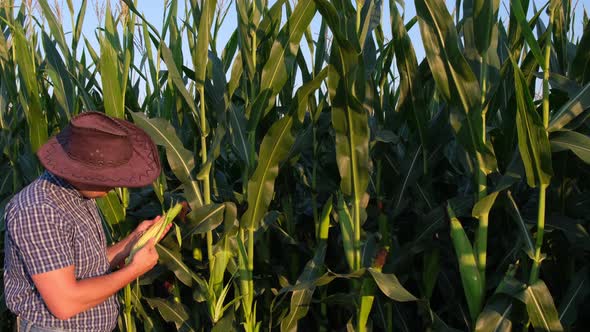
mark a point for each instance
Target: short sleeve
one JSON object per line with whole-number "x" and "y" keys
{"x": 42, "y": 237}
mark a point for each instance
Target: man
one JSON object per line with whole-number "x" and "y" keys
{"x": 58, "y": 269}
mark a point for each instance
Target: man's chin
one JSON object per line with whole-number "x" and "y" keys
{"x": 94, "y": 194}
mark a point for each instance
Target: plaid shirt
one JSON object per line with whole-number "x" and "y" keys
{"x": 49, "y": 226}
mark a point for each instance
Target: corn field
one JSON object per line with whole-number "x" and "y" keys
{"x": 342, "y": 186}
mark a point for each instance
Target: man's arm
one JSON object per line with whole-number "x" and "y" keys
{"x": 65, "y": 296}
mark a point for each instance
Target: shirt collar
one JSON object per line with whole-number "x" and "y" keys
{"x": 63, "y": 183}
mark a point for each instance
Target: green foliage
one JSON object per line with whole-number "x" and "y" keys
{"x": 352, "y": 187}
{"x": 470, "y": 276}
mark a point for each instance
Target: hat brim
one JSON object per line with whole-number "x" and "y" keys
{"x": 141, "y": 170}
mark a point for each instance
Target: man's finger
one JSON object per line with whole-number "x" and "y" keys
{"x": 151, "y": 243}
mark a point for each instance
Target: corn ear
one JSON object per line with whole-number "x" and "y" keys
{"x": 156, "y": 230}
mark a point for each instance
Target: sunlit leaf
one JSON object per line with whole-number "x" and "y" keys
{"x": 468, "y": 269}
{"x": 533, "y": 142}
{"x": 391, "y": 287}
{"x": 180, "y": 159}
{"x": 541, "y": 309}
{"x": 570, "y": 110}
{"x": 570, "y": 140}
{"x": 273, "y": 150}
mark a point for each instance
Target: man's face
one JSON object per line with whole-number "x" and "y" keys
{"x": 91, "y": 191}
{"x": 94, "y": 193}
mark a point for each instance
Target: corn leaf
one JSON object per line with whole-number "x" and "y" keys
{"x": 367, "y": 297}
{"x": 350, "y": 122}
{"x": 409, "y": 171}
{"x": 525, "y": 234}
{"x": 484, "y": 12}
{"x": 270, "y": 24}
{"x": 323, "y": 280}
{"x": 200, "y": 55}
{"x": 299, "y": 105}
{"x": 55, "y": 27}
{"x": 229, "y": 52}
{"x": 173, "y": 261}
{"x": 238, "y": 138}
{"x": 221, "y": 259}
{"x": 111, "y": 71}
{"x": 227, "y": 323}
{"x": 172, "y": 312}
{"x": 148, "y": 322}
{"x": 111, "y": 208}
{"x": 391, "y": 287}
{"x": 174, "y": 75}
{"x": 244, "y": 37}
{"x": 150, "y": 57}
{"x": 454, "y": 78}
{"x": 431, "y": 266}
{"x": 370, "y": 13}
{"x": 130, "y": 4}
{"x": 6, "y": 181}
{"x": 284, "y": 50}
{"x": 274, "y": 149}
{"x": 245, "y": 277}
{"x": 347, "y": 230}
{"x": 533, "y": 142}
{"x": 79, "y": 24}
{"x": 410, "y": 98}
{"x": 203, "y": 219}
{"x": 571, "y": 109}
{"x": 301, "y": 299}
{"x": 468, "y": 269}
{"x": 323, "y": 226}
{"x": 560, "y": 27}
{"x": 541, "y": 309}
{"x": 180, "y": 159}
{"x": 570, "y": 140}
{"x": 496, "y": 316}
{"x": 484, "y": 205}
{"x": 518, "y": 12}
{"x": 236, "y": 74}
{"x": 331, "y": 16}
{"x": 29, "y": 93}
{"x": 63, "y": 87}
{"x": 577, "y": 291}
{"x": 580, "y": 66}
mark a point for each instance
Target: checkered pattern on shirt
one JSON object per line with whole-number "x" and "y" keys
{"x": 49, "y": 226}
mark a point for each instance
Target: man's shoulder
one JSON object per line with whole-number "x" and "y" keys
{"x": 36, "y": 194}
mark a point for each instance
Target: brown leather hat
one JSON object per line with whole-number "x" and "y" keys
{"x": 99, "y": 150}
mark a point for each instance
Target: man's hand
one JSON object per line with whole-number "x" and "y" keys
{"x": 117, "y": 253}
{"x": 145, "y": 225}
{"x": 145, "y": 258}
